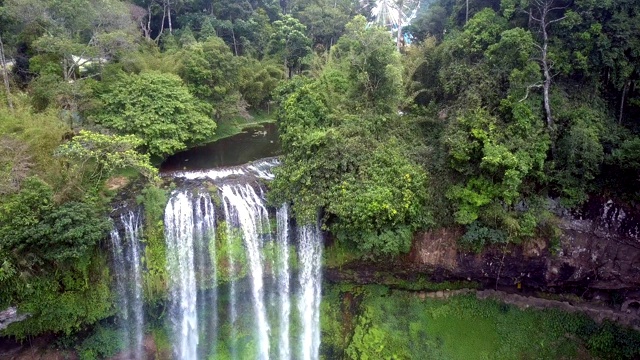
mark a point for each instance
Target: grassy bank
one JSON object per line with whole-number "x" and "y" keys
{"x": 237, "y": 125}
{"x": 373, "y": 322}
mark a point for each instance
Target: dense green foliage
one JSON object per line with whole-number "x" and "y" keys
{"x": 488, "y": 111}
{"x": 106, "y": 154}
{"x": 210, "y": 71}
{"x": 52, "y": 219}
{"x": 520, "y": 103}
{"x": 64, "y": 299}
{"x": 376, "y": 323}
{"x": 498, "y": 112}
{"x": 158, "y": 109}
{"x": 102, "y": 343}
{"x": 35, "y": 230}
{"x": 342, "y": 152}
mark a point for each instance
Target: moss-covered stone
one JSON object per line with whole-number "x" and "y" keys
{"x": 231, "y": 259}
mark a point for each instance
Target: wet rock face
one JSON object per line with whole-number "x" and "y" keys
{"x": 600, "y": 247}
{"x": 612, "y": 219}
{"x": 437, "y": 253}
{"x": 600, "y": 257}
{"x": 599, "y": 250}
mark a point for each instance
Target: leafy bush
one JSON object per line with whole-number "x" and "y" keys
{"x": 33, "y": 227}
{"x": 101, "y": 155}
{"x": 65, "y": 300}
{"x": 158, "y": 109}
{"x": 478, "y": 236}
{"x": 102, "y": 343}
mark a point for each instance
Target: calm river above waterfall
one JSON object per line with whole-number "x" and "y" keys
{"x": 255, "y": 143}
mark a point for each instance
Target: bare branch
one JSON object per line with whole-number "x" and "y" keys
{"x": 538, "y": 85}
{"x": 558, "y": 8}
{"x": 556, "y": 20}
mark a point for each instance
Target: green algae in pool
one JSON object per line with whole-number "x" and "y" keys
{"x": 253, "y": 144}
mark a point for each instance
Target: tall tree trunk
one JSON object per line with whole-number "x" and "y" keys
{"x": 466, "y": 16}
{"x": 147, "y": 28}
{"x": 5, "y": 75}
{"x": 169, "y": 15}
{"x": 539, "y": 14}
{"x": 235, "y": 45}
{"x": 547, "y": 77}
{"x": 164, "y": 16}
{"x": 400, "y": 4}
{"x": 624, "y": 94}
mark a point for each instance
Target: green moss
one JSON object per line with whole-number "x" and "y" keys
{"x": 339, "y": 254}
{"x": 162, "y": 339}
{"x": 423, "y": 283}
{"x": 155, "y": 277}
{"x": 215, "y": 197}
{"x": 229, "y": 245}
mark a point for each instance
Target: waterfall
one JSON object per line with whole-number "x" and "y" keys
{"x": 310, "y": 255}
{"x": 247, "y": 211}
{"x": 204, "y": 233}
{"x": 233, "y": 312}
{"x": 231, "y": 296}
{"x": 126, "y": 264}
{"x": 283, "y": 281}
{"x": 178, "y": 221}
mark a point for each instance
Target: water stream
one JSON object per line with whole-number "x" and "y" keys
{"x": 128, "y": 279}
{"x": 236, "y": 266}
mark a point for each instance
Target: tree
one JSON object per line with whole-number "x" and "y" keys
{"x": 290, "y": 42}
{"x": 5, "y": 74}
{"x": 366, "y": 56}
{"x": 101, "y": 29}
{"x": 102, "y": 155}
{"x": 257, "y": 80}
{"x": 206, "y": 30}
{"x": 430, "y": 22}
{"x": 157, "y": 108}
{"x": 211, "y": 73}
{"x": 542, "y": 14}
{"x": 345, "y": 149}
{"x": 33, "y": 227}
{"x": 326, "y": 20}
{"x": 496, "y": 160}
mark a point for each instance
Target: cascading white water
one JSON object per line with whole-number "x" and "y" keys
{"x": 247, "y": 211}
{"x": 133, "y": 234}
{"x": 233, "y": 312}
{"x": 229, "y": 316}
{"x": 126, "y": 261}
{"x": 179, "y": 231}
{"x": 120, "y": 271}
{"x": 310, "y": 255}
{"x": 284, "y": 278}
{"x": 204, "y": 238}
